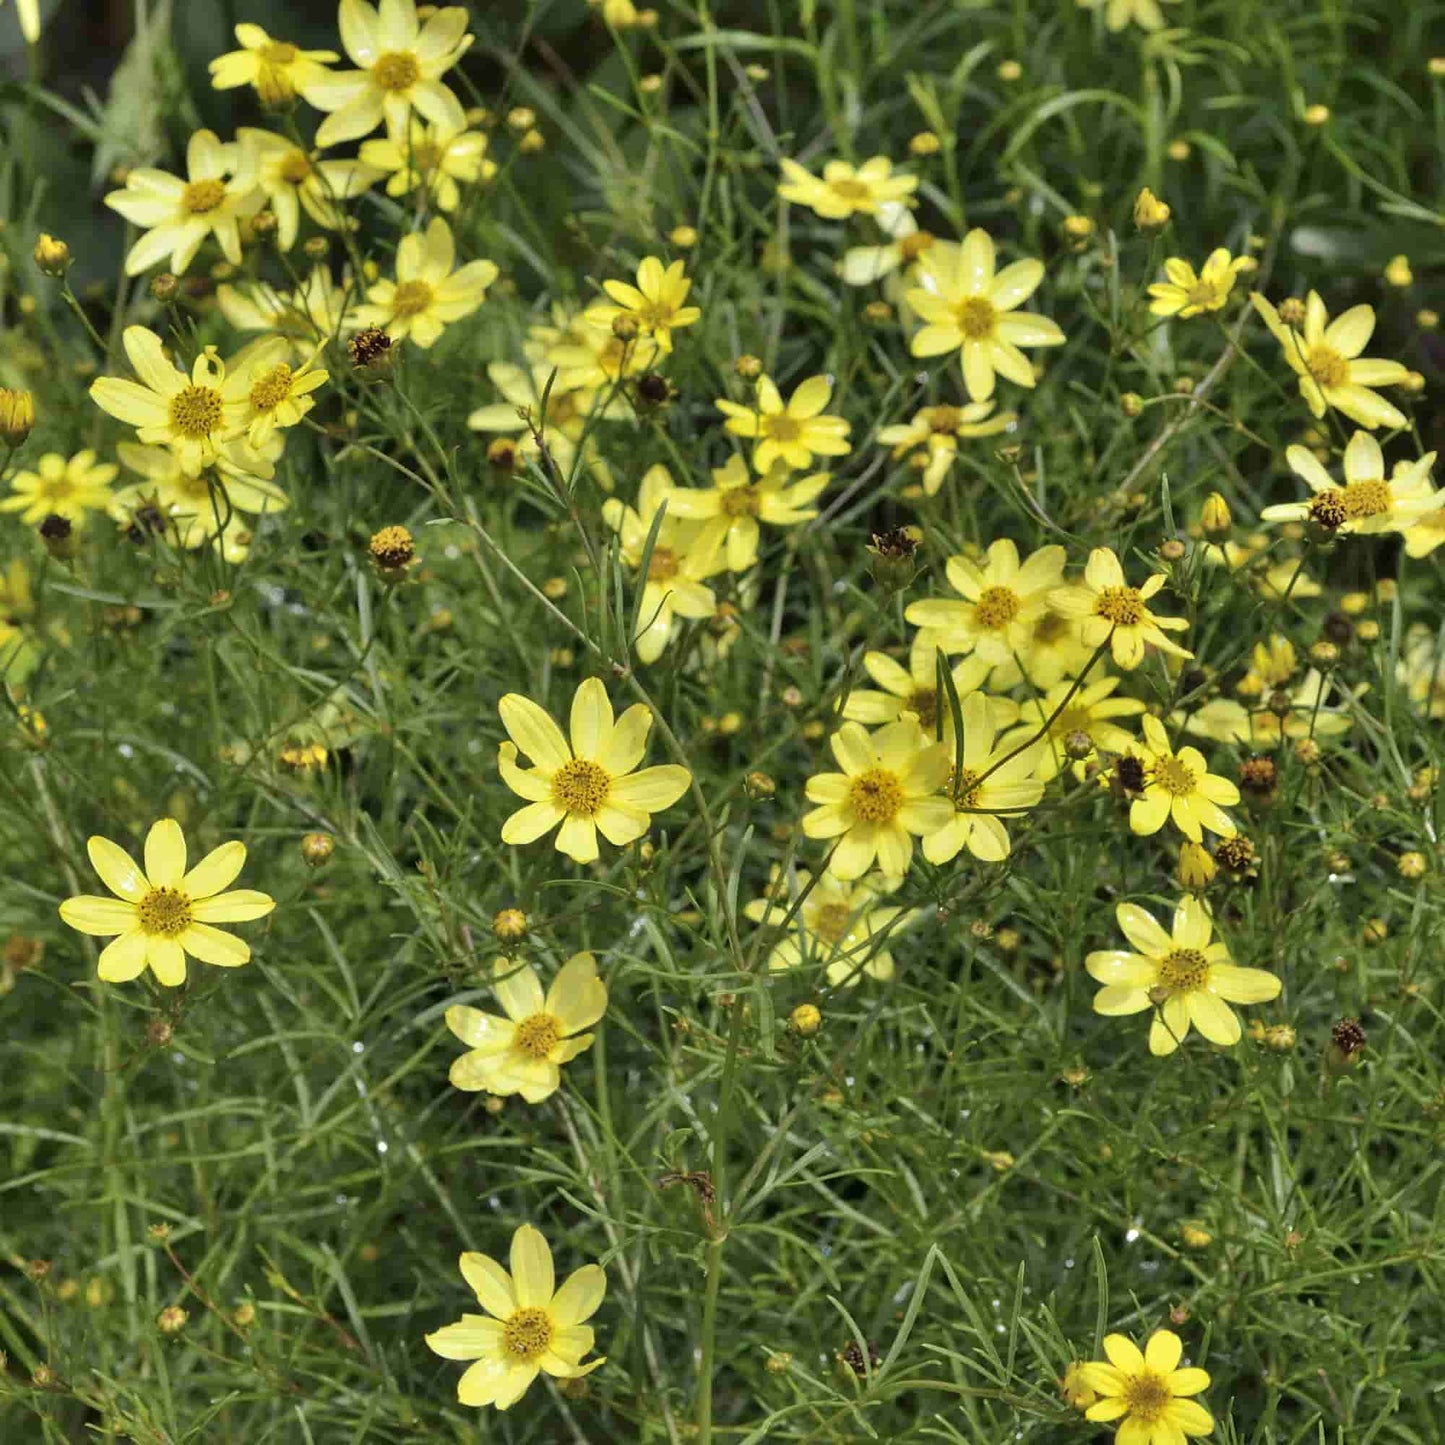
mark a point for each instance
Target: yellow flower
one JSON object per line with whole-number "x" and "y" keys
{"x": 621, "y": 14}
{"x": 738, "y": 503}
{"x": 1144, "y": 1392}
{"x": 865, "y": 265}
{"x": 163, "y": 913}
{"x": 17, "y": 415}
{"x": 1367, "y": 504}
{"x": 1326, "y": 357}
{"x": 400, "y": 62}
{"x": 937, "y": 430}
{"x": 655, "y": 303}
{"x": 276, "y": 395}
{"x": 915, "y": 689}
{"x": 882, "y": 799}
{"x": 64, "y": 488}
{"x": 292, "y": 178}
{"x": 845, "y": 190}
{"x": 1397, "y": 271}
{"x": 317, "y": 311}
{"x": 1306, "y": 715}
{"x": 275, "y": 69}
{"x": 1191, "y": 980}
{"x": 442, "y": 158}
{"x": 1003, "y": 599}
{"x": 529, "y": 1327}
{"x": 1186, "y": 294}
{"x": 563, "y": 424}
{"x": 1178, "y": 786}
{"x": 1271, "y": 664}
{"x": 591, "y": 786}
{"x": 595, "y": 356}
{"x": 427, "y": 295}
{"x": 792, "y": 434}
{"x": 523, "y": 1052}
{"x": 1053, "y": 651}
{"x": 1088, "y": 714}
{"x": 1146, "y": 14}
{"x": 1106, "y": 608}
{"x": 200, "y": 503}
{"x": 970, "y": 307}
{"x": 1150, "y": 213}
{"x": 178, "y": 215}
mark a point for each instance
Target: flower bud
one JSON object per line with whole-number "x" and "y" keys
{"x": 1150, "y": 213}
{"x": 1214, "y": 518}
{"x": 510, "y": 925}
{"x": 806, "y": 1020}
{"x": 52, "y": 256}
{"x": 317, "y": 848}
{"x": 1196, "y": 868}
{"x": 392, "y": 550}
{"x": 17, "y": 415}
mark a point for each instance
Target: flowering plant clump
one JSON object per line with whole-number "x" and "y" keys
{"x": 768, "y": 675}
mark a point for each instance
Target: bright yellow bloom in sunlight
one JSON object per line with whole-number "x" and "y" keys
{"x": 529, "y": 1327}
{"x": 792, "y": 433}
{"x": 1105, "y": 607}
{"x": 317, "y": 311}
{"x": 1052, "y": 651}
{"x": 936, "y": 431}
{"x": 200, "y": 503}
{"x": 277, "y": 395}
{"x": 915, "y": 689}
{"x": 1146, "y": 14}
{"x": 589, "y": 787}
{"x": 442, "y": 158}
{"x": 866, "y": 265}
{"x": 178, "y": 215}
{"x": 427, "y": 295}
{"x": 293, "y": 179}
{"x": 655, "y": 303}
{"x": 1188, "y": 978}
{"x": 1003, "y": 599}
{"x": 845, "y": 190}
{"x": 1326, "y": 357}
{"x": 163, "y": 913}
{"x": 275, "y": 69}
{"x": 596, "y": 356}
{"x": 1089, "y": 715}
{"x": 969, "y": 306}
{"x": 1367, "y": 504}
{"x": 1178, "y": 786}
{"x": 400, "y": 64}
{"x": 884, "y": 797}
{"x": 1307, "y": 715}
{"x": 563, "y": 423}
{"x": 61, "y": 487}
{"x": 523, "y": 1052}
{"x": 1186, "y": 294}
{"x": 985, "y": 786}
{"x": 1145, "y": 1392}
{"x": 1271, "y": 664}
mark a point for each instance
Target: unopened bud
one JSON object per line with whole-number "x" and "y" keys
{"x": 52, "y": 256}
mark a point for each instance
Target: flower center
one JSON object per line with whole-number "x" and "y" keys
{"x": 272, "y": 389}
{"x": 996, "y": 607}
{"x": 166, "y": 911}
{"x": 875, "y": 796}
{"x": 1366, "y": 499}
{"x": 295, "y": 167}
{"x": 1147, "y": 1397}
{"x": 396, "y": 70}
{"x": 662, "y": 565}
{"x": 527, "y": 1333}
{"x": 782, "y": 428}
{"x": 1072, "y": 720}
{"x": 945, "y": 419}
{"x": 740, "y": 502}
{"x": 830, "y": 922}
{"x": 1121, "y": 605}
{"x": 1203, "y": 295}
{"x": 1050, "y": 628}
{"x": 1182, "y": 970}
{"x": 196, "y": 411}
{"x": 1176, "y": 778}
{"x": 560, "y": 411}
{"x": 1329, "y": 509}
{"x": 1327, "y": 366}
{"x": 411, "y": 298}
{"x": 581, "y": 786}
{"x": 279, "y": 52}
{"x": 56, "y": 489}
{"x": 963, "y": 787}
{"x": 850, "y": 189}
{"x": 915, "y": 245}
{"x": 425, "y": 155}
{"x": 202, "y": 196}
{"x": 924, "y": 702}
{"x": 977, "y": 317}
{"x": 537, "y": 1036}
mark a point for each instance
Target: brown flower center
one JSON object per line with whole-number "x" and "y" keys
{"x": 945, "y": 419}
{"x": 1147, "y": 1396}
{"x": 199, "y": 197}
{"x": 830, "y": 922}
{"x": 740, "y": 502}
{"x": 196, "y": 411}
{"x": 977, "y": 317}
{"x": 537, "y": 1036}
{"x": 1327, "y": 366}
{"x": 396, "y": 70}
{"x": 915, "y": 245}
{"x": 1203, "y": 295}
{"x": 963, "y": 786}
{"x": 782, "y": 427}
{"x": 295, "y": 167}
{"x": 996, "y": 607}
{"x": 164, "y": 911}
{"x": 581, "y": 786}
{"x": 411, "y": 298}
{"x": 924, "y": 702}
{"x": 1176, "y": 778}
{"x": 272, "y": 389}
{"x": 1366, "y": 499}
{"x": 875, "y": 796}
{"x": 1121, "y": 605}
{"x": 527, "y": 1333}
{"x": 662, "y": 565}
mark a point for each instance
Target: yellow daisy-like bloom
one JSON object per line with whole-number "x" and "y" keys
{"x": 1191, "y": 980}
{"x": 1367, "y": 504}
{"x": 969, "y": 306}
{"x": 1178, "y": 786}
{"x": 1186, "y": 294}
{"x": 1090, "y": 714}
{"x": 595, "y": 356}
{"x": 276, "y": 394}
{"x": 163, "y": 913}
{"x": 936, "y": 431}
{"x": 178, "y": 215}
{"x": 792, "y": 434}
{"x": 1053, "y": 651}
{"x": 865, "y": 265}
{"x": 1146, "y": 14}
{"x": 275, "y": 69}
{"x": 317, "y": 311}
{"x": 1003, "y": 599}
{"x": 1326, "y": 357}
{"x": 293, "y": 179}
{"x": 523, "y": 1052}
{"x": 589, "y": 787}
{"x": 60, "y": 487}
{"x": 442, "y": 158}
{"x": 979, "y": 803}
{"x": 563, "y": 423}
{"x": 400, "y": 64}
{"x": 915, "y": 689}
{"x": 655, "y": 303}
{"x": 1105, "y": 607}
{"x": 200, "y": 503}
{"x": 882, "y": 800}
{"x": 738, "y": 503}
{"x": 1225, "y": 720}
{"x": 684, "y": 553}
{"x": 427, "y": 295}
{"x": 529, "y": 1327}
{"x": 1271, "y": 664}
{"x": 845, "y": 190}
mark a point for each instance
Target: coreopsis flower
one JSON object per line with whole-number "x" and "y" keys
{"x": 1326, "y": 357}
{"x": 1367, "y": 504}
{"x": 200, "y": 503}
{"x": 1186, "y": 294}
{"x": 60, "y": 486}
{"x": 428, "y": 294}
{"x": 1146, "y": 14}
{"x": 915, "y": 688}
{"x": 1178, "y": 787}
{"x": 293, "y": 179}
{"x": 177, "y": 215}
{"x": 936, "y": 431}
{"x": 1053, "y": 651}
{"x": 1421, "y": 670}
{"x": 1085, "y": 724}
{"x": 1147, "y": 1393}
{"x": 970, "y": 307}
{"x": 655, "y": 304}
{"x": 984, "y": 786}
{"x": 277, "y": 395}
{"x": 738, "y": 504}
{"x": 590, "y": 786}
{"x": 530, "y": 1326}
{"x": 1271, "y": 664}
{"x": 1002, "y": 599}
{"x": 1105, "y": 607}
{"x": 684, "y": 554}
{"x": 845, "y": 190}
{"x": 838, "y": 924}
{"x": 317, "y": 311}
{"x": 865, "y": 265}
{"x": 275, "y": 69}
{"x": 439, "y": 158}
{"x": 563, "y": 423}
{"x": 400, "y": 64}
{"x": 1190, "y": 980}
{"x": 592, "y": 356}
{"x": 792, "y": 433}
{"x": 523, "y": 1052}
{"x": 162, "y": 913}
{"x": 884, "y": 797}
{"x": 1305, "y": 714}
